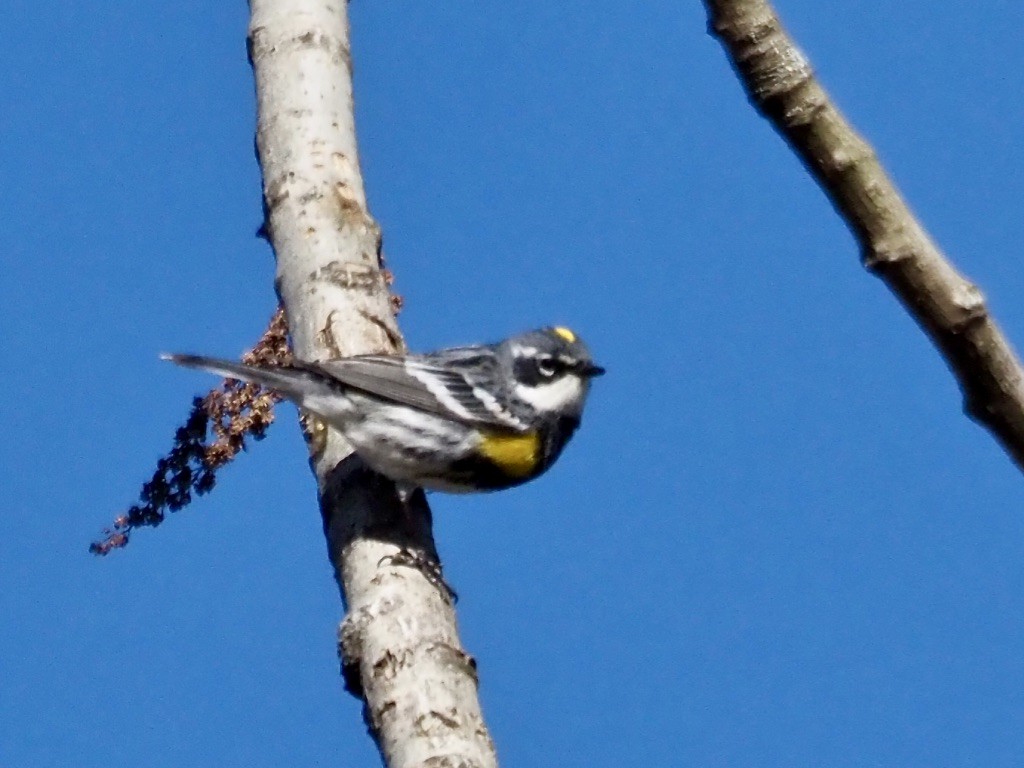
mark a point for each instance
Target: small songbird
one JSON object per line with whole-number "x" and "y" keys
{"x": 463, "y": 419}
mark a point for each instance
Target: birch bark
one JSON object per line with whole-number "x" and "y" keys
{"x": 399, "y": 643}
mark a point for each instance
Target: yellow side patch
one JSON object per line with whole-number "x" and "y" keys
{"x": 516, "y": 455}
{"x": 565, "y": 333}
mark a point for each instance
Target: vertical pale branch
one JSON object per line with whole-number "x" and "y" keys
{"x": 781, "y": 85}
{"x": 399, "y": 643}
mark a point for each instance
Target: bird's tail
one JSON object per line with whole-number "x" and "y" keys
{"x": 295, "y": 383}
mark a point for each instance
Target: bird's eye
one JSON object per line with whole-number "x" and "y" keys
{"x": 547, "y": 366}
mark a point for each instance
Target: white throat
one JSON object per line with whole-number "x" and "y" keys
{"x": 554, "y": 395}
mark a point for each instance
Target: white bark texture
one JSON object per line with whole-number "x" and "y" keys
{"x": 399, "y": 642}
{"x": 782, "y": 86}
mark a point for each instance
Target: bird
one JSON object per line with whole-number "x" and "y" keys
{"x": 484, "y": 417}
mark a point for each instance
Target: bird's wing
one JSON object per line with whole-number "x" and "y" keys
{"x": 451, "y": 388}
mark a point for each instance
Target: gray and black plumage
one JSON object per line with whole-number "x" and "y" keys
{"x": 462, "y": 419}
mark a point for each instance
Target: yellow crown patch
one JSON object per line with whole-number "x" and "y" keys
{"x": 565, "y": 333}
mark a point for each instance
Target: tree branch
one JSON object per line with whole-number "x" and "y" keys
{"x": 399, "y": 642}
{"x": 782, "y": 86}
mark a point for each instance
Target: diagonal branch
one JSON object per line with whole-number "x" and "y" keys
{"x": 399, "y": 642}
{"x": 783, "y": 88}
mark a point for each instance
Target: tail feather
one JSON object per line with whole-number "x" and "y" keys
{"x": 294, "y": 383}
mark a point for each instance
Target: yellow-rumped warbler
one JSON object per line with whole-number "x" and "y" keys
{"x": 463, "y": 419}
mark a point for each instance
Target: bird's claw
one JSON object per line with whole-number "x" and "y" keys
{"x": 420, "y": 561}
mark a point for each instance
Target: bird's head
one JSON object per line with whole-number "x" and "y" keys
{"x": 552, "y": 369}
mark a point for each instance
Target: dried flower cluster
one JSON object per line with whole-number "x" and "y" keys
{"x": 240, "y": 409}
{"x": 234, "y": 411}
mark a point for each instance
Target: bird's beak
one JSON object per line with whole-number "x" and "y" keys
{"x": 590, "y": 370}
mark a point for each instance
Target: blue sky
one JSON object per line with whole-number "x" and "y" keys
{"x": 776, "y": 541}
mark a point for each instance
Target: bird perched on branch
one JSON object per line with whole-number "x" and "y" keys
{"x": 463, "y": 419}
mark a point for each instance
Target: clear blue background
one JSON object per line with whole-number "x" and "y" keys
{"x": 776, "y": 540}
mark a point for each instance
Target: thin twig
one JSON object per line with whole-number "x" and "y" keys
{"x": 894, "y": 245}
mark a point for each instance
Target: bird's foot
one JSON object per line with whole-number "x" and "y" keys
{"x": 426, "y": 565}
